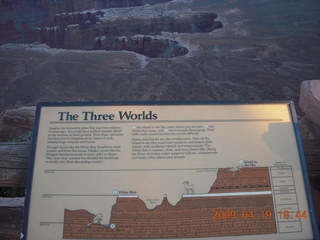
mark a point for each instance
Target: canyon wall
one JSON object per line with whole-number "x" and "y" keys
{"x": 92, "y": 30}
{"x": 19, "y": 16}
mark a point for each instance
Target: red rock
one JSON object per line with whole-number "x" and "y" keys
{"x": 16, "y": 122}
{"x": 308, "y": 129}
{"x": 310, "y": 100}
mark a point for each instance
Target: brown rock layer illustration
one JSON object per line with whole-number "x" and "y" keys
{"x": 245, "y": 180}
{"x": 197, "y": 216}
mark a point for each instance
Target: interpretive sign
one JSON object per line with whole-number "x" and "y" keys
{"x": 167, "y": 170}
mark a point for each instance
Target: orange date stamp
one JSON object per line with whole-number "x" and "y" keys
{"x": 289, "y": 215}
{"x": 226, "y": 214}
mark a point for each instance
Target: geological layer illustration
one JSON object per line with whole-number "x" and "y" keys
{"x": 191, "y": 217}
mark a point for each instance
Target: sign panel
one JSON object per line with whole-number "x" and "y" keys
{"x": 167, "y": 171}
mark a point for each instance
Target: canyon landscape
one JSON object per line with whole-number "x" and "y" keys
{"x": 257, "y": 50}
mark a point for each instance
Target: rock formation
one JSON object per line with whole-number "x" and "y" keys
{"x": 19, "y": 16}
{"x": 310, "y": 100}
{"x": 82, "y": 24}
{"x": 150, "y": 46}
{"x": 16, "y": 122}
{"x": 310, "y": 104}
{"x": 101, "y": 30}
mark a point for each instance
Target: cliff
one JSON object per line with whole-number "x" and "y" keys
{"x": 18, "y": 17}
{"x": 101, "y": 30}
{"x": 92, "y": 25}
{"x": 150, "y": 46}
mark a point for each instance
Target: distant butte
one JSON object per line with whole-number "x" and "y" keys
{"x": 118, "y": 25}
